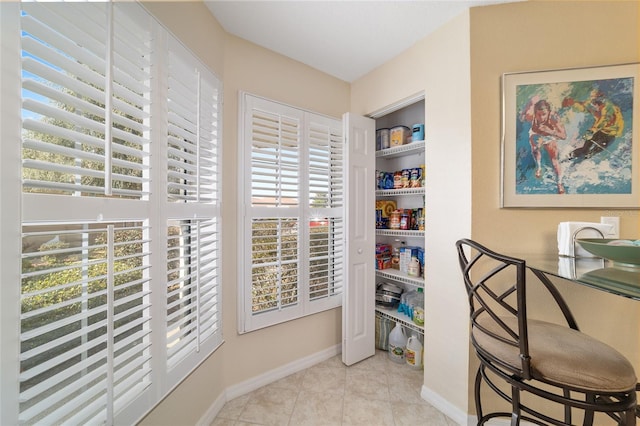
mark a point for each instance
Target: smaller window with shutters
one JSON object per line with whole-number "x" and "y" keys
{"x": 292, "y": 237}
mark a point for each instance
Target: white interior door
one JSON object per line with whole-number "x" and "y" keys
{"x": 358, "y": 306}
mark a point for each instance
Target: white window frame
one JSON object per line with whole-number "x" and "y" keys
{"x": 155, "y": 210}
{"x": 298, "y": 209}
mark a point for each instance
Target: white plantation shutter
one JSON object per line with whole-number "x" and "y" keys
{"x": 194, "y": 101}
{"x": 275, "y": 156}
{"x": 97, "y": 340}
{"x": 275, "y": 267}
{"x": 292, "y": 235}
{"x": 193, "y": 299}
{"x": 72, "y": 145}
{"x": 85, "y": 340}
{"x": 194, "y": 304}
{"x": 326, "y": 202}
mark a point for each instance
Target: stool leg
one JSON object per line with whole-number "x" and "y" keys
{"x": 629, "y": 418}
{"x": 588, "y": 414}
{"x": 477, "y": 394}
{"x": 567, "y": 408}
{"x": 515, "y": 406}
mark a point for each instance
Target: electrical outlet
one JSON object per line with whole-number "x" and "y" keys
{"x": 612, "y": 220}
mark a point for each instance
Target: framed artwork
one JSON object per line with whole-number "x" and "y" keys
{"x": 570, "y": 138}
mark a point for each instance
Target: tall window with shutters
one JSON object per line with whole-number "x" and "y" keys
{"x": 119, "y": 293}
{"x": 292, "y": 196}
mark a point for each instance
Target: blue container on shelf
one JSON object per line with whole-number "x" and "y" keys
{"x": 418, "y": 132}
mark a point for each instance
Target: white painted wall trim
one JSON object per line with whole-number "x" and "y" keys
{"x": 446, "y": 407}
{"x": 458, "y": 415}
{"x": 266, "y": 378}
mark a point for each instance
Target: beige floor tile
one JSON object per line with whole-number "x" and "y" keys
{"x": 323, "y": 379}
{"x": 374, "y": 392}
{"x": 417, "y": 414}
{"x": 362, "y": 411}
{"x": 269, "y": 406}
{"x": 233, "y": 408}
{"x": 223, "y": 422}
{"x": 333, "y": 362}
{"x": 317, "y": 409}
{"x": 367, "y": 384}
{"x": 293, "y": 382}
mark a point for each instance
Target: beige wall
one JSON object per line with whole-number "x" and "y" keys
{"x": 458, "y": 68}
{"x": 245, "y": 66}
{"x": 530, "y": 35}
{"x": 536, "y": 36}
{"x": 261, "y": 72}
{"x": 438, "y": 66}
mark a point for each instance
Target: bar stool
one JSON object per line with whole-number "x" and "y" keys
{"x": 553, "y": 362}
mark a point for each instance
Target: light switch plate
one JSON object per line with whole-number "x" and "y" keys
{"x": 612, "y": 220}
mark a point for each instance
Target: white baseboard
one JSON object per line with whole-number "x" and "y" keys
{"x": 447, "y": 408}
{"x": 266, "y": 378}
{"x": 459, "y": 416}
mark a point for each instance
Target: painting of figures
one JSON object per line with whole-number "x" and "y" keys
{"x": 570, "y": 138}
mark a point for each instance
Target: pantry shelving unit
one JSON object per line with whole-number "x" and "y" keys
{"x": 410, "y": 155}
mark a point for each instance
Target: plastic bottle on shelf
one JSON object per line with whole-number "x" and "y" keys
{"x": 407, "y": 303}
{"x": 397, "y": 344}
{"x": 418, "y": 308}
{"x": 395, "y": 258}
{"x": 402, "y": 306}
{"x": 413, "y": 352}
{"x": 414, "y": 267}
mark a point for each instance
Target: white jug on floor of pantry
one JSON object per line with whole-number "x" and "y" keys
{"x": 397, "y": 344}
{"x": 413, "y": 352}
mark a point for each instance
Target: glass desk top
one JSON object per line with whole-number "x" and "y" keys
{"x": 595, "y": 272}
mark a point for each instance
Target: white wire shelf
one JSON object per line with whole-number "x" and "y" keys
{"x": 416, "y": 147}
{"x": 398, "y": 317}
{"x": 397, "y": 192}
{"x": 399, "y": 233}
{"x": 396, "y": 275}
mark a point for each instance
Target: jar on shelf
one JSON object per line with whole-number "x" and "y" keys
{"x": 397, "y": 180}
{"x": 405, "y": 220}
{"x": 394, "y": 219}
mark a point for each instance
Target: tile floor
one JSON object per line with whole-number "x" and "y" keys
{"x": 373, "y": 392}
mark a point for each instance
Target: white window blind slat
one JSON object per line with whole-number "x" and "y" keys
{"x": 62, "y": 115}
{"x": 59, "y": 79}
{"x": 89, "y": 411}
{"x": 181, "y": 98}
{"x": 46, "y": 331}
{"x": 57, "y": 41}
{"x": 72, "y": 369}
{"x": 57, "y": 96}
{"x": 180, "y": 144}
{"x": 85, "y": 24}
{"x": 41, "y": 368}
{"x": 62, "y": 404}
{"x": 59, "y": 61}
{"x": 63, "y": 133}
{"x": 133, "y": 378}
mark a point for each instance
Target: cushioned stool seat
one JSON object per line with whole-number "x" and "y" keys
{"x": 563, "y": 356}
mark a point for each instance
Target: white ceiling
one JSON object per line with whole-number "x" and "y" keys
{"x": 345, "y": 39}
